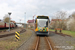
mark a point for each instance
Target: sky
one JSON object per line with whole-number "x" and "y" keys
{"x": 25, "y": 9}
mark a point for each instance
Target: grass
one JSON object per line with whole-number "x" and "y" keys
{"x": 72, "y": 33}
{"x": 11, "y": 44}
{"x": 51, "y": 29}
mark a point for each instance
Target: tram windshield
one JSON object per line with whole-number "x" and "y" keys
{"x": 42, "y": 22}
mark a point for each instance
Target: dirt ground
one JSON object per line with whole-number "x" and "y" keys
{"x": 11, "y": 44}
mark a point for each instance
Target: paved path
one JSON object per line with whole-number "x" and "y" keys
{"x": 27, "y": 45}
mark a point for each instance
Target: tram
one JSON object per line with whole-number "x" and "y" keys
{"x": 42, "y": 25}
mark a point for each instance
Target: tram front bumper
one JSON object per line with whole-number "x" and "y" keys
{"x": 42, "y": 33}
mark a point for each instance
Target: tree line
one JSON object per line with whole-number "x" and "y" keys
{"x": 61, "y": 20}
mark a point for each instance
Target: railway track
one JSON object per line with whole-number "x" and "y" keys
{"x": 5, "y": 30}
{"x": 43, "y": 43}
{"x": 10, "y": 34}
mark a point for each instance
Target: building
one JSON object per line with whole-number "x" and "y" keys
{"x": 13, "y": 21}
{"x": 30, "y": 23}
{"x": 53, "y": 21}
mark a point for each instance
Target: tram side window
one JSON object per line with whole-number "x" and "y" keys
{"x": 35, "y": 24}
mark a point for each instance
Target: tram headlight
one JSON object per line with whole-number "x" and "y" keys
{"x": 47, "y": 29}
{"x": 36, "y": 29}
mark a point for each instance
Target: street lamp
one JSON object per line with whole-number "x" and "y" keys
{"x": 33, "y": 23}
{"x": 9, "y": 20}
{"x": 25, "y": 20}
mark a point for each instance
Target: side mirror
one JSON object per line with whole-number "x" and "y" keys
{"x": 49, "y": 21}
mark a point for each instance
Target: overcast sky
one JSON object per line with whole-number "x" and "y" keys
{"x": 34, "y": 7}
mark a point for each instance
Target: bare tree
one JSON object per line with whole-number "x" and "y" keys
{"x": 54, "y": 23}
{"x": 6, "y": 18}
{"x": 61, "y": 16}
{"x": 72, "y": 22}
{"x": 73, "y": 15}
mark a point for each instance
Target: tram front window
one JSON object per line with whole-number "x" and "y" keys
{"x": 42, "y": 22}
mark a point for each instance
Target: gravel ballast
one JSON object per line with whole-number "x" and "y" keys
{"x": 63, "y": 42}
{"x": 28, "y": 44}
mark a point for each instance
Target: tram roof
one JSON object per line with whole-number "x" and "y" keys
{"x": 44, "y": 17}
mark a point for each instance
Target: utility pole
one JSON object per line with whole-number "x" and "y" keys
{"x": 33, "y": 22}
{"x": 20, "y": 20}
{"x": 9, "y": 20}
